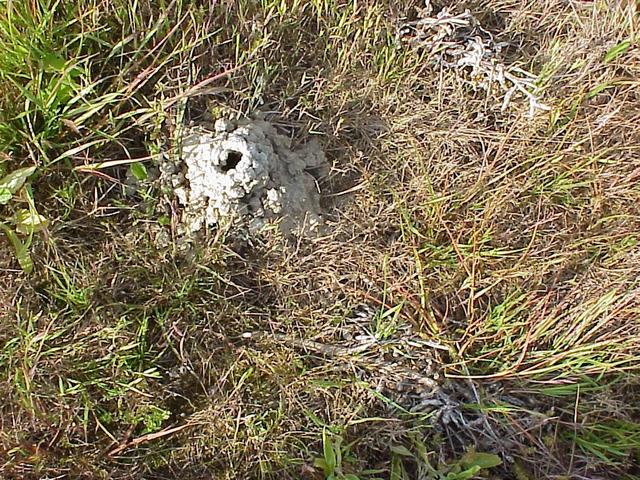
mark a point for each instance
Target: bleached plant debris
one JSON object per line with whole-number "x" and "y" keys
{"x": 248, "y": 174}
{"x": 399, "y": 365}
{"x": 458, "y": 41}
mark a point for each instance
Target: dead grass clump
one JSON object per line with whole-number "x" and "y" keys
{"x": 478, "y": 290}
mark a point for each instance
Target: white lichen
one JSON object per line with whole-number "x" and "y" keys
{"x": 247, "y": 173}
{"x": 459, "y": 42}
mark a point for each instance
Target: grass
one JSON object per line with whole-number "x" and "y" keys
{"x": 496, "y": 255}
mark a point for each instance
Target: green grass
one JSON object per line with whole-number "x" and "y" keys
{"x": 498, "y": 254}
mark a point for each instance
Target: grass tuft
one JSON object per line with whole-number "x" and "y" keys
{"x": 473, "y": 312}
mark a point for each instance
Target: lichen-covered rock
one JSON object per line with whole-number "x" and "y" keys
{"x": 247, "y": 173}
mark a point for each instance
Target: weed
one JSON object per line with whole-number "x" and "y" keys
{"x": 25, "y": 221}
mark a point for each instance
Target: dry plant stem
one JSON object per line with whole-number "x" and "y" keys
{"x": 148, "y": 438}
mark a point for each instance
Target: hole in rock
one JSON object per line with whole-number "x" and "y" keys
{"x": 232, "y": 161}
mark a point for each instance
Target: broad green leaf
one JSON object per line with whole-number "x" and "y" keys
{"x": 401, "y": 450}
{"x": 329, "y": 454}
{"x": 464, "y": 475}
{"x": 351, "y": 476}
{"x": 320, "y": 463}
{"x": 16, "y": 179}
{"x": 617, "y": 50}
{"x": 54, "y": 62}
{"x": 5, "y": 195}
{"x": 21, "y": 249}
{"x": 482, "y": 460}
{"x": 337, "y": 450}
{"x": 398, "y": 471}
{"x": 28, "y": 222}
{"x": 74, "y": 72}
{"x": 59, "y": 91}
{"x": 139, "y": 171}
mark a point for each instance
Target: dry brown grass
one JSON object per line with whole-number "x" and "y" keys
{"x": 497, "y": 257}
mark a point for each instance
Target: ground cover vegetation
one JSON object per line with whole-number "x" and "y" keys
{"x": 473, "y": 312}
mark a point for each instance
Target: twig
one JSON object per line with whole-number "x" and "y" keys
{"x": 147, "y": 438}
{"x": 198, "y": 88}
